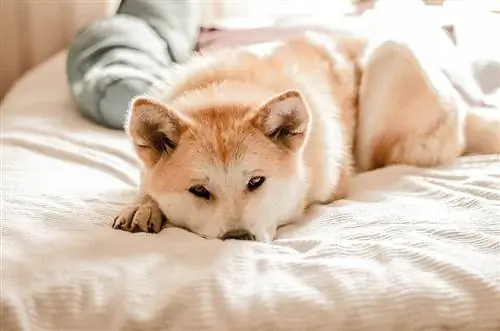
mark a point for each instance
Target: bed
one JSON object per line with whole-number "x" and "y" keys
{"x": 411, "y": 249}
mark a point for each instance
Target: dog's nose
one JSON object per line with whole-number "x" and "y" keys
{"x": 239, "y": 234}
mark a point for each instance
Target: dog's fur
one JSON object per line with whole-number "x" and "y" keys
{"x": 305, "y": 114}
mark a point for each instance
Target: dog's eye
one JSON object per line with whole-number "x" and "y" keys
{"x": 255, "y": 182}
{"x": 200, "y": 191}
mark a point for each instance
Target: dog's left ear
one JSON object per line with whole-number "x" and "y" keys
{"x": 284, "y": 119}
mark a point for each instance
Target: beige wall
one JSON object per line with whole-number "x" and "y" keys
{"x": 33, "y": 30}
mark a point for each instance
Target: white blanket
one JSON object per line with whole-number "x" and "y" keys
{"x": 412, "y": 249}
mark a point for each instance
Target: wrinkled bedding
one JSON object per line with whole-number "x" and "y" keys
{"x": 411, "y": 249}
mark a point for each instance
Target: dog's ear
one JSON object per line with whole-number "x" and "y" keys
{"x": 154, "y": 127}
{"x": 284, "y": 119}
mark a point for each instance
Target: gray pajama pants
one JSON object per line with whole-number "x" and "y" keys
{"x": 112, "y": 60}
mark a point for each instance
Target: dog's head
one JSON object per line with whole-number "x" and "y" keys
{"x": 227, "y": 171}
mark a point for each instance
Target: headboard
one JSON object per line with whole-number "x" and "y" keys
{"x": 31, "y": 31}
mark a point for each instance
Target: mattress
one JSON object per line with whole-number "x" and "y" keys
{"x": 411, "y": 249}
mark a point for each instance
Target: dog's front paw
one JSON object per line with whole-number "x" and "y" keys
{"x": 145, "y": 216}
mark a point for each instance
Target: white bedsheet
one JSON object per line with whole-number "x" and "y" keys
{"x": 412, "y": 250}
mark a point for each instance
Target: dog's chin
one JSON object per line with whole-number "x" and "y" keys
{"x": 266, "y": 236}
{"x": 262, "y": 234}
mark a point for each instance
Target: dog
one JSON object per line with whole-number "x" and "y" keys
{"x": 242, "y": 141}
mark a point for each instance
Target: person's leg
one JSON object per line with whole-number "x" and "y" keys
{"x": 115, "y": 59}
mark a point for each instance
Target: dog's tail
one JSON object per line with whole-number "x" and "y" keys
{"x": 483, "y": 130}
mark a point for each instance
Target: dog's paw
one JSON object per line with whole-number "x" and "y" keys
{"x": 145, "y": 216}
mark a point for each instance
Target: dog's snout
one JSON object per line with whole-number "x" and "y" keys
{"x": 239, "y": 234}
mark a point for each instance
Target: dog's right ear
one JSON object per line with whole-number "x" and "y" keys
{"x": 284, "y": 119}
{"x": 154, "y": 127}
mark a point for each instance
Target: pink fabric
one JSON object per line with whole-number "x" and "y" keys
{"x": 214, "y": 38}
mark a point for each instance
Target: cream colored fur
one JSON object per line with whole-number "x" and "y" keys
{"x": 303, "y": 114}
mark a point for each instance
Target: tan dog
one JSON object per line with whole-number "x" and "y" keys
{"x": 246, "y": 139}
